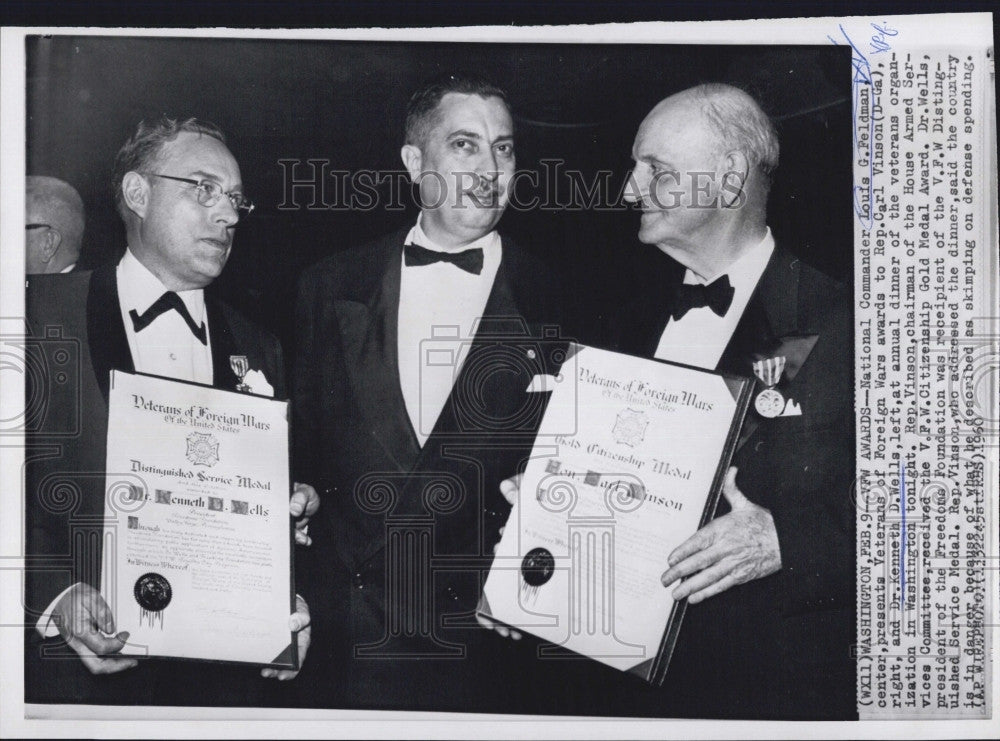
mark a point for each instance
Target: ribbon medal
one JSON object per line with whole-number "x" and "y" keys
{"x": 240, "y": 367}
{"x": 769, "y": 402}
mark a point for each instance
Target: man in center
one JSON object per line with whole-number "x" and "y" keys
{"x": 415, "y": 354}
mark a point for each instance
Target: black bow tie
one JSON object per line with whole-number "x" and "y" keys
{"x": 717, "y": 296}
{"x": 163, "y": 304}
{"x": 471, "y": 261}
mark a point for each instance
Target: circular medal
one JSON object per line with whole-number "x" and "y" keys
{"x": 537, "y": 567}
{"x": 769, "y": 403}
{"x": 152, "y": 592}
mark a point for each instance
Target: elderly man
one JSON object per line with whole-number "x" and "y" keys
{"x": 770, "y": 581}
{"x": 53, "y": 223}
{"x": 414, "y": 358}
{"x": 178, "y": 190}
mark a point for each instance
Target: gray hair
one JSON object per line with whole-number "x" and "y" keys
{"x": 740, "y": 123}
{"x": 143, "y": 148}
{"x": 57, "y": 203}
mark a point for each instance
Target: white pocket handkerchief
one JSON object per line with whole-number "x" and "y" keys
{"x": 791, "y": 410}
{"x": 258, "y": 383}
{"x": 541, "y": 383}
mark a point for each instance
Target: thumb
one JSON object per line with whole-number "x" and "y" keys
{"x": 510, "y": 488}
{"x": 729, "y": 489}
{"x": 297, "y": 502}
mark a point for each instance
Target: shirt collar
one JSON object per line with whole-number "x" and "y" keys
{"x": 138, "y": 289}
{"x": 417, "y": 236}
{"x": 747, "y": 269}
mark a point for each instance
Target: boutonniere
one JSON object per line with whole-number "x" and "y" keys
{"x": 784, "y": 364}
{"x": 250, "y": 381}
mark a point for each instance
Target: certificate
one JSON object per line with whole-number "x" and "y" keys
{"x": 628, "y": 463}
{"x": 197, "y": 541}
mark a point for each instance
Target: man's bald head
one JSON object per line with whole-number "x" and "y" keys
{"x": 735, "y": 119}
{"x": 54, "y": 224}
{"x": 702, "y": 176}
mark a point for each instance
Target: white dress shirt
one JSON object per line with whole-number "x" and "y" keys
{"x": 438, "y": 308}
{"x": 167, "y": 347}
{"x": 700, "y": 336}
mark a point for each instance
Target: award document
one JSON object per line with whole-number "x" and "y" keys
{"x": 628, "y": 463}
{"x": 197, "y": 543}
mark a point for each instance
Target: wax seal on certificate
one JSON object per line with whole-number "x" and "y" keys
{"x": 537, "y": 567}
{"x": 769, "y": 403}
{"x": 152, "y": 592}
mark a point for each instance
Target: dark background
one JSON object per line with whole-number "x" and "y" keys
{"x": 345, "y": 102}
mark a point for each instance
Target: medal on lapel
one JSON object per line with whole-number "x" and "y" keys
{"x": 769, "y": 402}
{"x": 240, "y": 366}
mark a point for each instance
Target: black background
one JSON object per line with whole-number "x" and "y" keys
{"x": 345, "y": 102}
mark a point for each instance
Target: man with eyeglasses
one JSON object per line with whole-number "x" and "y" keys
{"x": 54, "y": 220}
{"x": 178, "y": 190}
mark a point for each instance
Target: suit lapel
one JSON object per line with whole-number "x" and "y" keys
{"x": 109, "y": 344}
{"x": 499, "y": 321}
{"x": 370, "y": 343}
{"x": 105, "y": 330}
{"x": 770, "y": 316}
{"x": 223, "y": 345}
{"x": 370, "y": 336}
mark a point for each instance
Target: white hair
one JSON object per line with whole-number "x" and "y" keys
{"x": 740, "y": 123}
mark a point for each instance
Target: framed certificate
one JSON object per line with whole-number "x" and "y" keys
{"x": 197, "y": 539}
{"x": 628, "y": 463}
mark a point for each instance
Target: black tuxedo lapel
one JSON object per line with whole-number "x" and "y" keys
{"x": 109, "y": 344}
{"x": 770, "y": 315}
{"x": 485, "y": 407}
{"x": 220, "y": 338}
{"x": 370, "y": 337}
{"x": 105, "y": 330}
{"x": 499, "y": 322}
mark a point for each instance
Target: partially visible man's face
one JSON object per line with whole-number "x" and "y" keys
{"x": 471, "y": 150}
{"x": 676, "y": 178}
{"x": 36, "y": 238}
{"x": 181, "y": 239}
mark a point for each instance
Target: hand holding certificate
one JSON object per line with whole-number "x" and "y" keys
{"x": 197, "y": 542}
{"x": 602, "y": 508}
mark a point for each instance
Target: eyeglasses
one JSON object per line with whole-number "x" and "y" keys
{"x": 37, "y": 226}
{"x": 210, "y": 192}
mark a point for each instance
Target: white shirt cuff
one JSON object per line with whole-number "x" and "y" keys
{"x": 45, "y": 626}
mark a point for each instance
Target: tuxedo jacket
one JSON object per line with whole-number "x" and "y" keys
{"x": 405, "y": 533}
{"x": 75, "y": 337}
{"x": 777, "y": 647}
